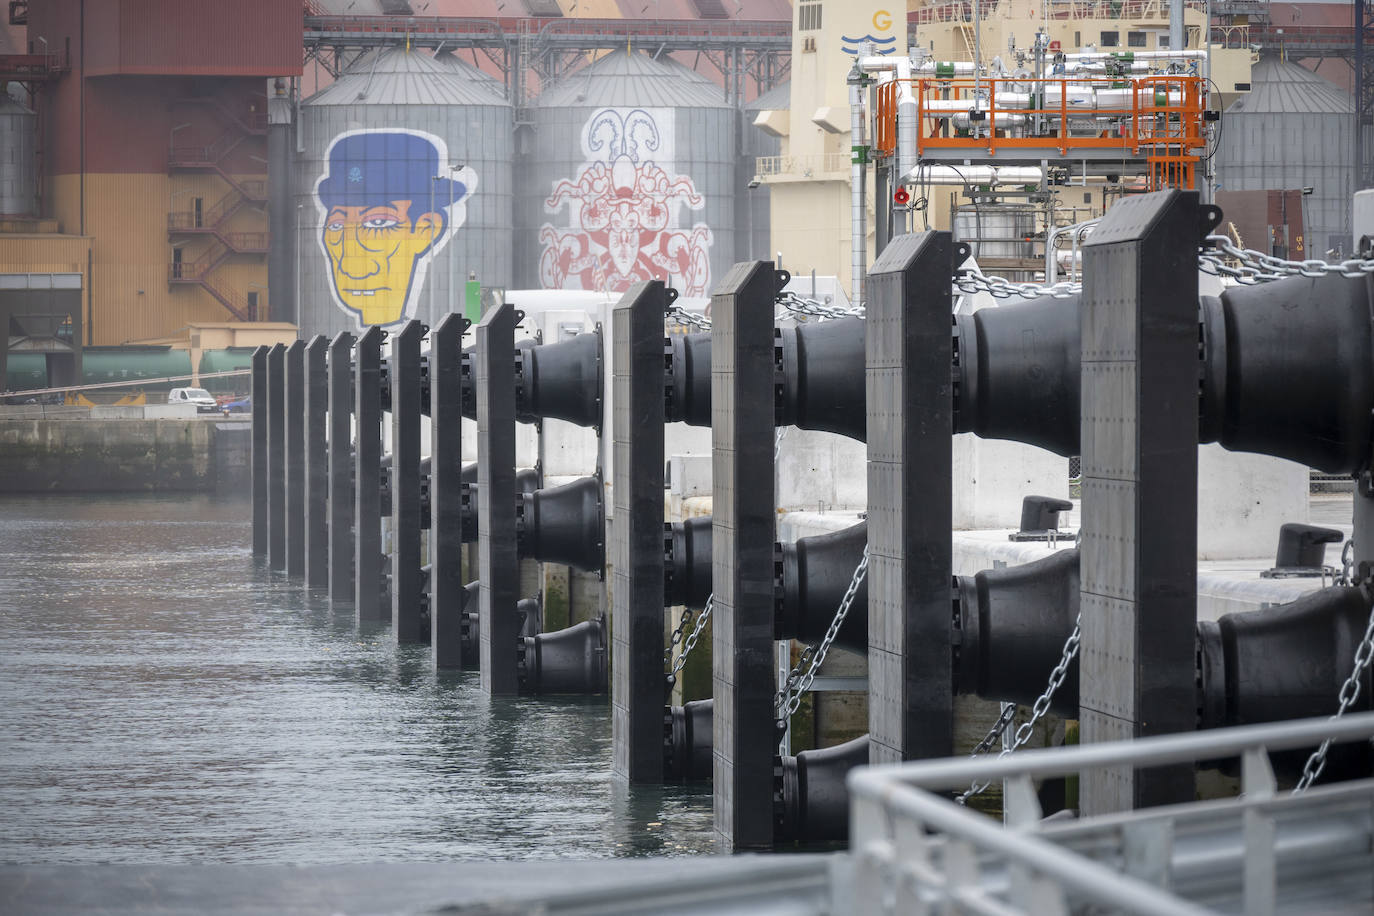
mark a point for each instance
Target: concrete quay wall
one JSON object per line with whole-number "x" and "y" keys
{"x": 123, "y": 455}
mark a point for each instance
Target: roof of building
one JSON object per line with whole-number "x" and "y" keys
{"x": 1279, "y": 87}
{"x": 633, "y": 78}
{"x": 779, "y": 98}
{"x": 396, "y": 76}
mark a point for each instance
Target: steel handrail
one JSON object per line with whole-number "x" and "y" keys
{"x": 1142, "y": 753}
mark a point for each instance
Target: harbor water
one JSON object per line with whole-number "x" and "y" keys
{"x": 163, "y": 698}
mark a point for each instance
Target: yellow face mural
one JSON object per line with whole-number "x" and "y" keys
{"x": 389, "y": 202}
{"x": 372, "y": 254}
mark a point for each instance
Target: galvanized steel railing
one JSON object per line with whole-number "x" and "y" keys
{"x": 915, "y": 851}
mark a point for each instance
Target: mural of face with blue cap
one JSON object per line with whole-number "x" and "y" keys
{"x": 389, "y": 203}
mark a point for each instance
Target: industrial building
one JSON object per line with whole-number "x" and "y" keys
{"x": 172, "y": 154}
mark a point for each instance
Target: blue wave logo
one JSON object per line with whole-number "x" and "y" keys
{"x": 851, "y": 45}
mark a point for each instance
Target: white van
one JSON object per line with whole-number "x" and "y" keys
{"x": 204, "y": 401}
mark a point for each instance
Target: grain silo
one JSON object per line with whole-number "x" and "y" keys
{"x": 403, "y": 192}
{"x": 631, "y": 175}
{"x": 1294, "y": 130}
{"x": 18, "y": 184}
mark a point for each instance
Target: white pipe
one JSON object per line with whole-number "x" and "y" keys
{"x": 907, "y": 121}
{"x": 973, "y": 175}
{"x": 858, "y": 230}
{"x": 1135, "y": 55}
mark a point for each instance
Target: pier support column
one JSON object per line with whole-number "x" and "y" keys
{"x": 446, "y": 491}
{"x": 909, "y": 394}
{"x": 341, "y": 497}
{"x": 276, "y": 457}
{"x": 257, "y": 400}
{"x": 637, "y": 421}
{"x": 368, "y": 586}
{"x": 406, "y": 576}
{"x": 1363, "y": 519}
{"x": 295, "y": 458}
{"x": 1139, "y": 325}
{"x": 316, "y": 464}
{"x": 743, "y": 735}
{"x": 498, "y": 565}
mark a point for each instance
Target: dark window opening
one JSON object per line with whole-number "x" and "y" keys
{"x": 1111, "y": 40}
{"x": 1135, "y": 39}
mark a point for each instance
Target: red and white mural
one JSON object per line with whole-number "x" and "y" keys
{"x": 627, "y": 211}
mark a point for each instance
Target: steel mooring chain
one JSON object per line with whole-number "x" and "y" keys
{"x": 814, "y": 308}
{"x": 692, "y": 637}
{"x": 973, "y": 280}
{"x": 803, "y": 674}
{"x": 678, "y": 314}
{"x": 1258, "y": 267}
{"x": 1349, "y": 693}
{"x": 1042, "y": 706}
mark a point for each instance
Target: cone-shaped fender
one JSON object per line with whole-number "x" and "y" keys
{"x": 813, "y": 575}
{"x": 563, "y": 525}
{"x": 1012, "y": 623}
{"x": 687, "y": 379}
{"x": 687, "y": 563}
{"x": 1016, "y": 373}
{"x": 822, "y": 377}
{"x": 1289, "y": 370}
{"x": 560, "y": 381}
{"x": 526, "y": 481}
{"x": 572, "y": 660}
{"x": 1283, "y": 662}
{"x": 811, "y": 804}
{"x": 687, "y": 741}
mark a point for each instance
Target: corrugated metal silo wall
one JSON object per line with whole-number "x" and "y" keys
{"x": 478, "y": 136}
{"x": 698, "y": 157}
{"x": 1263, "y": 150}
{"x": 18, "y": 184}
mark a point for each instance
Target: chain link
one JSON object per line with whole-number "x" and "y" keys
{"x": 692, "y": 638}
{"x": 678, "y": 315}
{"x": 973, "y": 280}
{"x": 800, "y": 678}
{"x": 1349, "y": 693}
{"x": 1248, "y": 266}
{"x": 813, "y": 308}
{"x": 1042, "y": 706}
{"x": 678, "y": 634}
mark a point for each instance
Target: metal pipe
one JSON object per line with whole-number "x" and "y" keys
{"x": 1176, "y": 25}
{"x": 858, "y": 242}
{"x": 907, "y": 124}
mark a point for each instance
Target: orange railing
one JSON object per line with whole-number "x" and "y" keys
{"x": 1157, "y": 117}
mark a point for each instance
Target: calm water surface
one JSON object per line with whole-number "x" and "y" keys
{"x": 164, "y": 699}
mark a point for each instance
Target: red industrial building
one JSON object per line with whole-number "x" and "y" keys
{"x": 152, "y": 143}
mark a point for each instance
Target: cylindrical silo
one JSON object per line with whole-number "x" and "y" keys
{"x": 18, "y": 178}
{"x": 1293, "y": 130}
{"x": 403, "y": 192}
{"x": 631, "y": 175}
{"x": 754, "y": 222}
